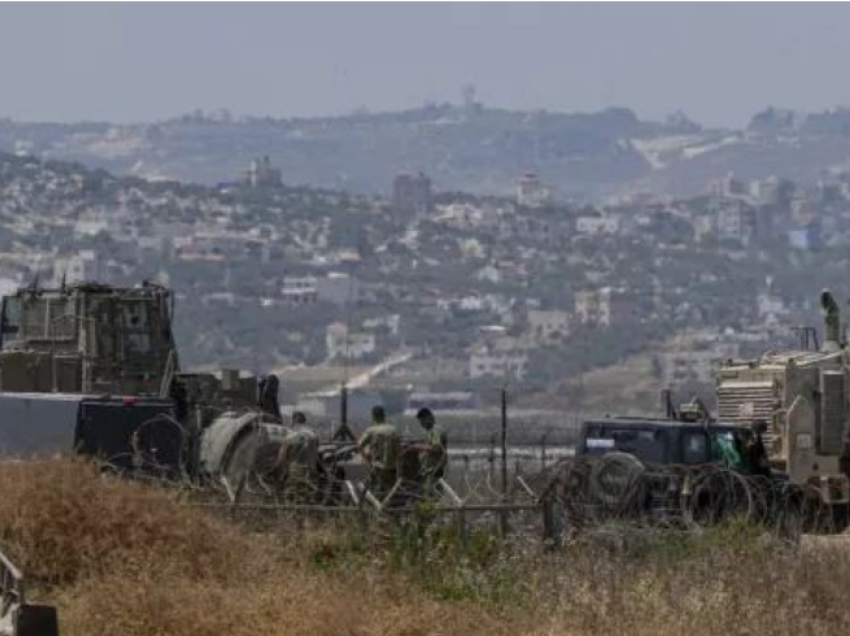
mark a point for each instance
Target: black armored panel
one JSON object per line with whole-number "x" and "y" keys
{"x": 127, "y": 433}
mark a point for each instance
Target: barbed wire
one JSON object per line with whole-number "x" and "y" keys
{"x": 583, "y": 494}
{"x": 591, "y": 492}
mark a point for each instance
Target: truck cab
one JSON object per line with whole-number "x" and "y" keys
{"x": 660, "y": 442}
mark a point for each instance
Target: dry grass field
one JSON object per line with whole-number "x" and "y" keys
{"x": 130, "y": 559}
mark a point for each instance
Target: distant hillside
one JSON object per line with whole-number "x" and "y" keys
{"x": 475, "y": 149}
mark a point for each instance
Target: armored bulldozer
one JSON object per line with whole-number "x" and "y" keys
{"x": 801, "y": 400}
{"x": 94, "y": 369}
{"x": 87, "y": 338}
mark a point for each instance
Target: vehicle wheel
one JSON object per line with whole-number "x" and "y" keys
{"x": 613, "y": 477}
{"x": 157, "y": 448}
{"x": 840, "y": 517}
{"x": 719, "y": 495}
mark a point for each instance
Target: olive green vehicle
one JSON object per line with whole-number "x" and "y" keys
{"x": 801, "y": 399}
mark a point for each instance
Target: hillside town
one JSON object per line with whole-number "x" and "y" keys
{"x": 461, "y": 292}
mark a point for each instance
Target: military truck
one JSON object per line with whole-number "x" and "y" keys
{"x": 94, "y": 369}
{"x": 678, "y": 470}
{"x": 802, "y": 400}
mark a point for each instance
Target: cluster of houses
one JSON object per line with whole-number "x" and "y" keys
{"x": 512, "y": 275}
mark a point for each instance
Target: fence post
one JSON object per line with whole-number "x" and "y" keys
{"x": 543, "y": 451}
{"x": 503, "y": 517}
{"x": 549, "y": 531}
{"x": 491, "y": 458}
{"x": 363, "y": 519}
{"x": 461, "y": 527}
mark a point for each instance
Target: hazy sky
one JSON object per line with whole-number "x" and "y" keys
{"x": 133, "y": 62}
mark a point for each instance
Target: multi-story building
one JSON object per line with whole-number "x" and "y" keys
{"x": 485, "y": 362}
{"x": 531, "y": 193}
{"x": 733, "y": 220}
{"x": 335, "y": 288}
{"x": 299, "y": 290}
{"x": 412, "y": 194}
{"x": 260, "y": 173}
{"x": 343, "y": 344}
{"x": 605, "y": 307}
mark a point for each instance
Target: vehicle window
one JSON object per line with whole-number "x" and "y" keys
{"x": 695, "y": 448}
{"x": 46, "y": 318}
{"x": 724, "y": 449}
{"x": 136, "y": 320}
{"x": 11, "y": 317}
{"x": 648, "y": 445}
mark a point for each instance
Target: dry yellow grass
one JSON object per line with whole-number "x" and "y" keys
{"x": 128, "y": 559}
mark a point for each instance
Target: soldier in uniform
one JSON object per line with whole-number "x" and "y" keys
{"x": 298, "y": 461}
{"x": 753, "y": 452}
{"x": 433, "y": 451}
{"x": 380, "y": 445}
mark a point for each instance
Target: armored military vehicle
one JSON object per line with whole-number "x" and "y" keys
{"x": 800, "y": 399}
{"x": 94, "y": 369}
{"x": 678, "y": 470}
{"x": 88, "y": 338}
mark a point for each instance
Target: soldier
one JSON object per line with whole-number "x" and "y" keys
{"x": 753, "y": 452}
{"x": 380, "y": 445}
{"x": 433, "y": 451}
{"x": 298, "y": 461}
{"x": 267, "y": 397}
{"x": 725, "y": 449}
{"x": 832, "y": 321}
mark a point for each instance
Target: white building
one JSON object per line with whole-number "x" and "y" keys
{"x": 489, "y": 274}
{"x": 299, "y": 290}
{"x": 596, "y": 225}
{"x": 390, "y": 322}
{"x": 343, "y": 344}
{"x": 498, "y": 364}
{"x": 531, "y": 193}
{"x": 90, "y": 227}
